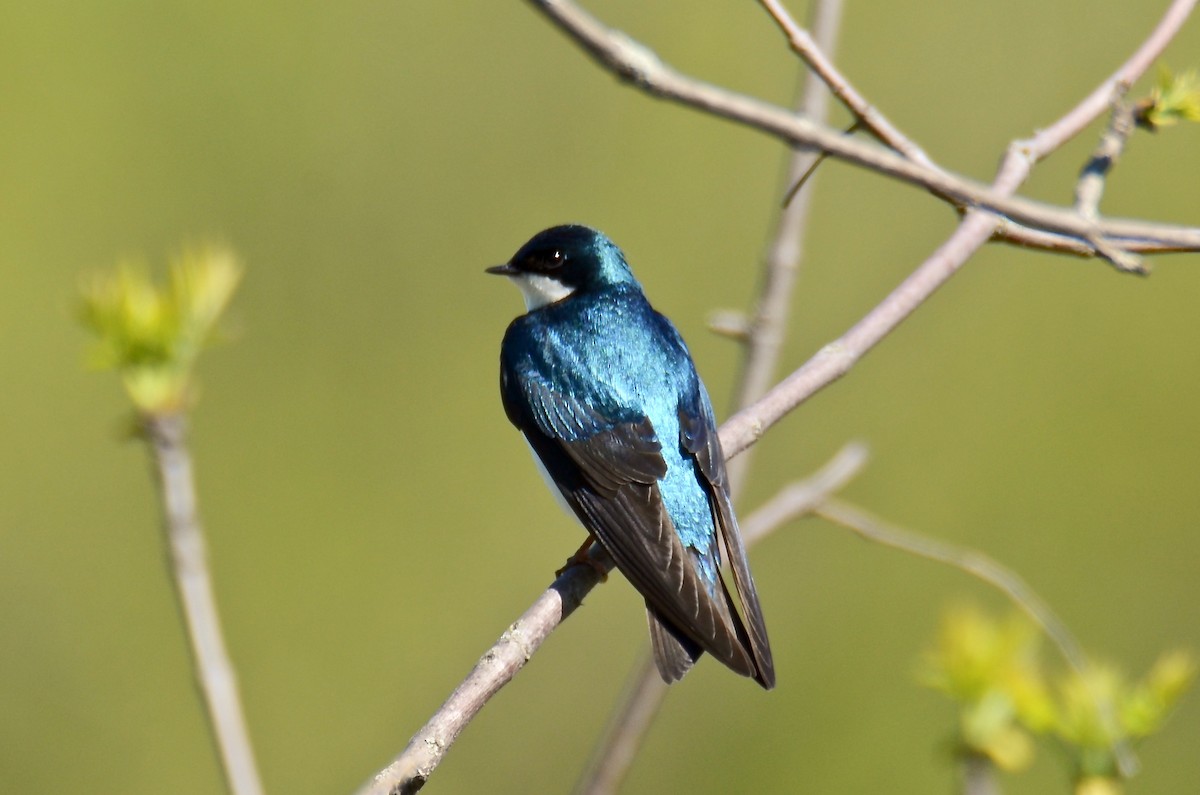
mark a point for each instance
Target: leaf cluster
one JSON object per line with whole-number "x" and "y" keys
{"x": 151, "y": 334}
{"x": 1173, "y": 99}
{"x": 992, "y": 669}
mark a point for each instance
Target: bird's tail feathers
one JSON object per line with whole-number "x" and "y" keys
{"x": 674, "y": 652}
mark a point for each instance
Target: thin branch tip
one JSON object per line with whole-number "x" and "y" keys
{"x": 166, "y": 436}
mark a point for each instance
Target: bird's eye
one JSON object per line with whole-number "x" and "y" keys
{"x": 545, "y": 260}
{"x": 550, "y": 260}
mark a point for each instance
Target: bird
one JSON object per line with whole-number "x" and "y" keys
{"x": 621, "y": 427}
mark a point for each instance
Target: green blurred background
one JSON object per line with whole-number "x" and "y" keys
{"x": 375, "y": 522}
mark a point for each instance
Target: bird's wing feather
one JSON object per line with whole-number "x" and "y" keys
{"x": 610, "y": 452}
{"x": 699, "y": 436}
{"x": 608, "y": 469}
{"x": 674, "y": 652}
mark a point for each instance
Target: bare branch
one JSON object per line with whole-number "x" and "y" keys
{"x": 1094, "y": 105}
{"x": 768, "y": 327}
{"x": 214, "y": 672}
{"x": 636, "y": 63}
{"x": 813, "y": 51}
{"x": 409, "y": 772}
{"x": 871, "y": 118}
{"x": 836, "y": 358}
{"x": 805, "y": 496}
{"x": 980, "y": 566}
{"x": 1090, "y": 188}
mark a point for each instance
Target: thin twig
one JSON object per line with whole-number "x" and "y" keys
{"x": 768, "y": 326}
{"x": 612, "y": 758}
{"x": 869, "y": 117}
{"x": 977, "y": 564}
{"x": 803, "y": 497}
{"x": 979, "y": 776}
{"x": 1008, "y": 582}
{"x": 1090, "y": 188}
{"x": 636, "y": 63}
{"x": 424, "y": 752}
{"x": 189, "y": 565}
{"x": 838, "y": 357}
{"x": 815, "y": 52}
{"x": 1049, "y": 139}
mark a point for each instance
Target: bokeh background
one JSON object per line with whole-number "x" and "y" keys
{"x": 375, "y": 522}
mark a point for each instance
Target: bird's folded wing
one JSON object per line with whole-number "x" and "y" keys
{"x": 699, "y": 437}
{"x": 615, "y": 464}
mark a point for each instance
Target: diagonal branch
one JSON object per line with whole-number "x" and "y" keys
{"x": 836, "y": 358}
{"x": 633, "y": 61}
{"x": 412, "y": 768}
{"x": 768, "y": 326}
{"x": 870, "y": 117}
{"x": 977, "y": 564}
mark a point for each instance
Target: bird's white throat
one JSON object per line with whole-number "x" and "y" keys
{"x": 540, "y": 290}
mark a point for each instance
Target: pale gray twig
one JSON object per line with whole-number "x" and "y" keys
{"x": 815, "y": 52}
{"x": 189, "y": 564}
{"x": 979, "y": 776}
{"x": 614, "y": 756}
{"x": 767, "y": 328}
{"x": 805, "y": 496}
{"x": 977, "y": 564}
{"x": 1090, "y": 188}
{"x": 869, "y": 117}
{"x": 982, "y": 567}
{"x": 496, "y": 668}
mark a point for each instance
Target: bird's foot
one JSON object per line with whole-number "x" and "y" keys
{"x": 582, "y": 558}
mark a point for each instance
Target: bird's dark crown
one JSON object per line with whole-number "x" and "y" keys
{"x": 574, "y": 255}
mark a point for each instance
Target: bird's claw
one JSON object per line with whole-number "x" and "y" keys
{"x": 582, "y": 558}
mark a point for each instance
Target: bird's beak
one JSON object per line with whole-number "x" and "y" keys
{"x": 502, "y": 270}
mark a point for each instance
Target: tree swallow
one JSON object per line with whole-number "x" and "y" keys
{"x": 606, "y": 394}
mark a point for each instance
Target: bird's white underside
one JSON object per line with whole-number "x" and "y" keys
{"x": 558, "y": 497}
{"x": 540, "y": 290}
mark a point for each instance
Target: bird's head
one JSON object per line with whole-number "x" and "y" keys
{"x": 562, "y": 261}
